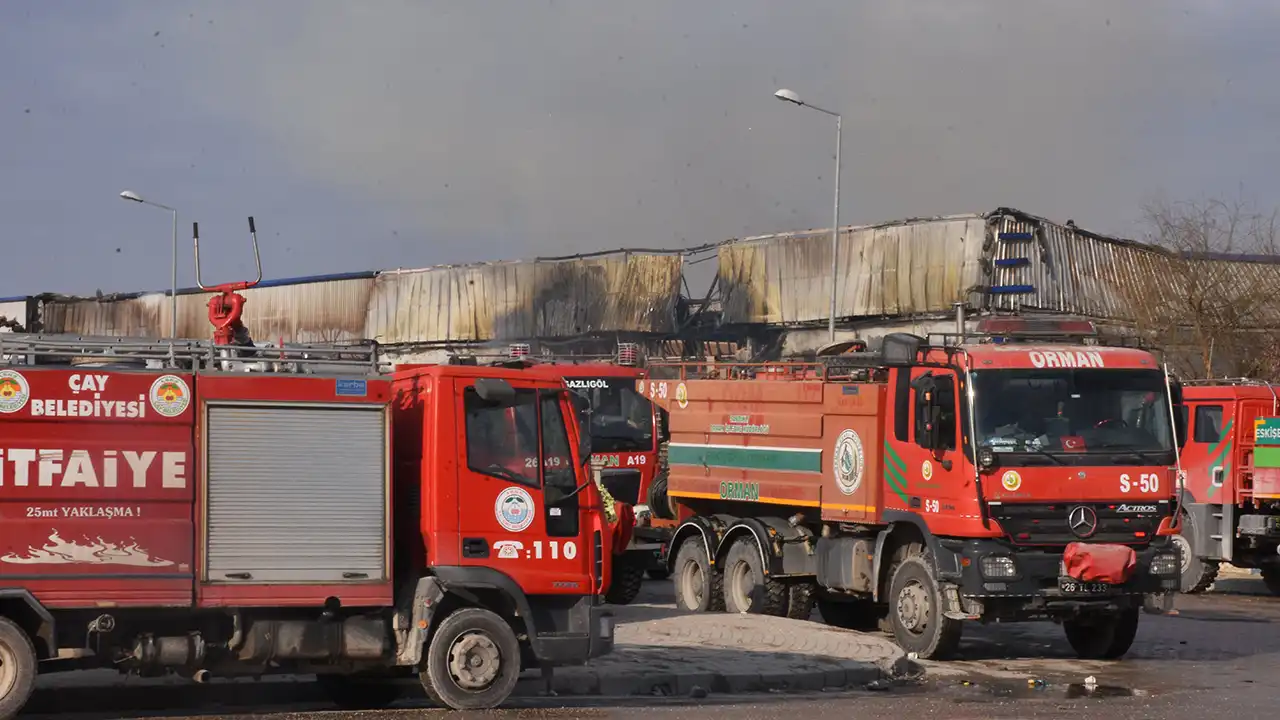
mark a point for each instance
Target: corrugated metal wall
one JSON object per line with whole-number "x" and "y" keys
{"x": 903, "y": 268}
{"x": 623, "y": 293}
{"x": 1079, "y": 273}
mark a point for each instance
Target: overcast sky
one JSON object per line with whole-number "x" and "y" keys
{"x": 403, "y": 134}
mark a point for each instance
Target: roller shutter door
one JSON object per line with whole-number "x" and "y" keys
{"x": 296, "y": 495}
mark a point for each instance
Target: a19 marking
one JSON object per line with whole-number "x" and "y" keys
{"x": 1146, "y": 483}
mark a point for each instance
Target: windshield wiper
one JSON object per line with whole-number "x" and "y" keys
{"x": 499, "y": 471}
{"x": 1138, "y": 455}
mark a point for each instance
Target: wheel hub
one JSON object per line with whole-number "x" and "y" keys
{"x": 740, "y": 582}
{"x": 1184, "y": 552}
{"x": 913, "y": 607}
{"x": 474, "y": 661}
{"x": 691, "y": 582}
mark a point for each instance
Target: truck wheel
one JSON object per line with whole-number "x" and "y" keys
{"x": 699, "y": 587}
{"x": 861, "y": 615}
{"x": 353, "y": 693}
{"x": 625, "y": 584}
{"x": 746, "y": 588}
{"x": 800, "y": 601}
{"x": 473, "y": 661}
{"x": 17, "y": 668}
{"x": 1102, "y": 637}
{"x": 1197, "y": 573}
{"x": 915, "y": 611}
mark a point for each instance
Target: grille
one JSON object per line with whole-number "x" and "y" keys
{"x": 623, "y": 485}
{"x": 1047, "y": 525}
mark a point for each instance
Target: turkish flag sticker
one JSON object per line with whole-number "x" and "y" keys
{"x": 1073, "y": 443}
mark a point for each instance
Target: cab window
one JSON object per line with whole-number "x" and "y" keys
{"x": 502, "y": 442}
{"x": 1208, "y": 424}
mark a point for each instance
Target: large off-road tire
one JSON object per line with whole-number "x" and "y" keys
{"x": 356, "y": 693}
{"x": 628, "y": 575}
{"x": 17, "y": 668}
{"x": 800, "y": 598}
{"x": 698, "y": 586}
{"x": 1197, "y": 574}
{"x": 746, "y": 587}
{"x": 915, "y": 611}
{"x": 1103, "y": 637}
{"x": 473, "y": 661}
{"x": 861, "y": 615}
{"x": 1271, "y": 578}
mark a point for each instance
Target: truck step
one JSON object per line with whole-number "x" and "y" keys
{"x": 1012, "y": 262}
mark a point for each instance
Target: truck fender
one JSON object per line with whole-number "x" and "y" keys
{"x": 946, "y": 563}
{"x": 753, "y": 528}
{"x": 459, "y": 580}
{"x": 19, "y": 605}
{"x": 695, "y": 529}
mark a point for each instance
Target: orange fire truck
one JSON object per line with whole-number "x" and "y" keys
{"x": 1015, "y": 475}
{"x": 1231, "y": 506}
{"x": 227, "y": 509}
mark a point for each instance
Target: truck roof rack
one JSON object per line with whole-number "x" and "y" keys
{"x": 1226, "y": 381}
{"x": 152, "y": 353}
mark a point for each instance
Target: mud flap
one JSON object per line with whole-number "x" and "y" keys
{"x": 411, "y": 627}
{"x": 955, "y": 607}
{"x": 1158, "y": 603}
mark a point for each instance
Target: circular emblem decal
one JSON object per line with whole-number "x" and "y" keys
{"x": 1011, "y": 480}
{"x": 640, "y": 386}
{"x": 847, "y": 462}
{"x": 14, "y": 391}
{"x": 514, "y": 509}
{"x": 926, "y": 471}
{"x": 170, "y": 395}
{"x": 682, "y": 396}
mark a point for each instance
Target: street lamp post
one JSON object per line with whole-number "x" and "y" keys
{"x": 173, "y": 270}
{"x": 791, "y": 97}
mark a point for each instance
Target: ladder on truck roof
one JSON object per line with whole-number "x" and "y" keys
{"x": 186, "y": 354}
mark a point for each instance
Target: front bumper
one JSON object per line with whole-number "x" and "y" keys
{"x": 1037, "y": 572}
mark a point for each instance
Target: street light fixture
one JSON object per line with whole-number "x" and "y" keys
{"x": 791, "y": 96}
{"x": 173, "y": 271}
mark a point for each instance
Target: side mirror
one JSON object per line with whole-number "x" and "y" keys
{"x": 496, "y": 391}
{"x": 664, "y": 424}
{"x": 928, "y": 411}
{"x": 1180, "y": 424}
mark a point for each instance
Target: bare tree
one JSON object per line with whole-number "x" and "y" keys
{"x": 1215, "y": 309}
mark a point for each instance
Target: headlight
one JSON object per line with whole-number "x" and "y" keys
{"x": 1165, "y": 564}
{"x": 998, "y": 567}
{"x": 986, "y": 458}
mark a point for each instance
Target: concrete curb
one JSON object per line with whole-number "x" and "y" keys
{"x": 171, "y": 693}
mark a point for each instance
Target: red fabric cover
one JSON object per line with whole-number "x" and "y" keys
{"x": 622, "y": 531}
{"x": 1099, "y": 562}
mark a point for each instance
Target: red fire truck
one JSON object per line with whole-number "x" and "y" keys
{"x": 1016, "y": 475}
{"x": 224, "y": 509}
{"x": 627, "y": 430}
{"x": 1229, "y": 516}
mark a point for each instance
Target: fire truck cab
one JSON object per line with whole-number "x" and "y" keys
{"x": 627, "y": 430}
{"x": 1013, "y": 475}
{"x": 1231, "y": 507}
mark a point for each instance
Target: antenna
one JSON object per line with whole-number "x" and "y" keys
{"x": 226, "y": 308}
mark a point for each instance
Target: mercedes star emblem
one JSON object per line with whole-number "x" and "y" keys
{"x": 1082, "y": 521}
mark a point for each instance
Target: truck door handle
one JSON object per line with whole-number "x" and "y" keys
{"x": 354, "y": 576}
{"x": 240, "y": 576}
{"x": 475, "y": 548}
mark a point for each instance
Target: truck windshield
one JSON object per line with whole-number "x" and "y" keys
{"x": 621, "y": 419}
{"x": 1065, "y": 412}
